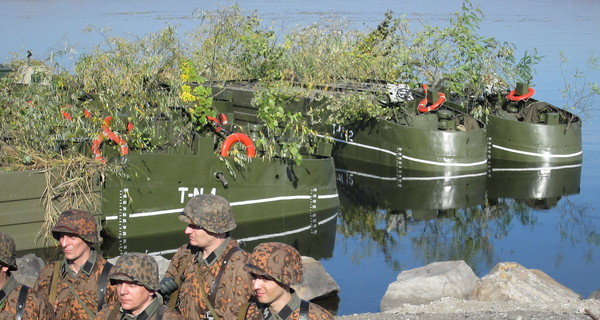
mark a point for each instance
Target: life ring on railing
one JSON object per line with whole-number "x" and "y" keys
{"x": 423, "y": 104}
{"x": 511, "y": 95}
{"x": 68, "y": 116}
{"x": 111, "y": 135}
{"x": 217, "y": 124}
{"x": 238, "y": 137}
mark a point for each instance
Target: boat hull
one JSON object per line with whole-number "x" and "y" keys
{"x": 531, "y": 143}
{"x": 146, "y": 199}
{"x": 419, "y": 146}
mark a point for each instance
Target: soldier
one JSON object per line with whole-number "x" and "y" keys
{"x": 77, "y": 286}
{"x": 207, "y": 274}
{"x": 275, "y": 267}
{"x": 136, "y": 278}
{"x": 17, "y": 301}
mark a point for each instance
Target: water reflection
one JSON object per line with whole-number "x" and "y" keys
{"x": 298, "y": 231}
{"x": 440, "y": 218}
{"x": 536, "y": 187}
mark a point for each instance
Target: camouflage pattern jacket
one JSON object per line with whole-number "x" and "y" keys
{"x": 258, "y": 311}
{"x": 36, "y": 307}
{"x": 152, "y": 314}
{"x": 233, "y": 289}
{"x": 84, "y": 283}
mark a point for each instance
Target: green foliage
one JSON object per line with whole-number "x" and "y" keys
{"x": 198, "y": 96}
{"x": 286, "y": 133}
{"x": 579, "y": 94}
{"x": 141, "y": 81}
{"x": 345, "y": 109}
{"x": 230, "y": 44}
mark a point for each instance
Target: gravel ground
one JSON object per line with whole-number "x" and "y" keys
{"x": 450, "y": 309}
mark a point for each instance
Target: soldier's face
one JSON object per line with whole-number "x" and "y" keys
{"x": 198, "y": 236}
{"x": 270, "y": 292}
{"x": 74, "y": 248}
{"x": 3, "y": 276}
{"x": 133, "y": 297}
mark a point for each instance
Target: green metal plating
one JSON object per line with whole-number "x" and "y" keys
{"x": 437, "y": 141}
{"x": 144, "y": 202}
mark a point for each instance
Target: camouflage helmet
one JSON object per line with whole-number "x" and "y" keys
{"x": 77, "y": 222}
{"x": 209, "y": 211}
{"x": 138, "y": 268}
{"x": 7, "y": 251}
{"x": 276, "y": 260}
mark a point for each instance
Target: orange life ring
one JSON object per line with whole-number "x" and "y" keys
{"x": 238, "y": 137}
{"x": 68, "y": 116}
{"x": 422, "y": 107}
{"x": 108, "y": 133}
{"x": 218, "y": 123}
{"x": 423, "y": 102}
{"x": 511, "y": 95}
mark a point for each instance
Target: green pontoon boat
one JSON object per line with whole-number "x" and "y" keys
{"x": 143, "y": 201}
{"x": 524, "y": 130}
{"x": 436, "y": 139}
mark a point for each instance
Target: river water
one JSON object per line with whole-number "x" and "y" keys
{"x": 556, "y": 229}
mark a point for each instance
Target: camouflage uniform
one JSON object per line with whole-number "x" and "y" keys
{"x": 283, "y": 264}
{"x": 85, "y": 282}
{"x": 141, "y": 269}
{"x": 234, "y": 288}
{"x": 36, "y": 307}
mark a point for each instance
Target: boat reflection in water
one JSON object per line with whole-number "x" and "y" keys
{"x": 313, "y": 236}
{"x": 441, "y": 218}
{"x": 536, "y": 187}
{"x": 423, "y": 195}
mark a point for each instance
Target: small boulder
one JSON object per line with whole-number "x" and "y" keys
{"x": 29, "y": 266}
{"x": 510, "y": 281}
{"x": 430, "y": 283}
{"x": 317, "y": 282}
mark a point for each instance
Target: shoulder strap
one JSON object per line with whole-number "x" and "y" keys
{"x": 243, "y": 311}
{"x": 102, "y": 281}
{"x": 89, "y": 312}
{"x": 215, "y": 283}
{"x": 114, "y": 313}
{"x": 304, "y": 309}
{"x": 21, "y": 302}
{"x": 160, "y": 312}
{"x": 54, "y": 282}
{"x": 210, "y": 300}
{"x": 178, "y": 279}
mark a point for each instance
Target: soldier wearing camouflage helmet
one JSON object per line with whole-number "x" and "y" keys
{"x": 17, "y": 301}
{"x": 136, "y": 278}
{"x": 205, "y": 278}
{"x": 274, "y": 268}
{"x": 77, "y": 286}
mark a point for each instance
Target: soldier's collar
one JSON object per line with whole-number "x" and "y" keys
{"x": 213, "y": 256}
{"x": 87, "y": 267}
{"x": 284, "y": 313}
{"x": 9, "y": 286}
{"x": 144, "y": 315}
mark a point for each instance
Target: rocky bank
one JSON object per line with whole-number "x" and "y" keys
{"x": 441, "y": 291}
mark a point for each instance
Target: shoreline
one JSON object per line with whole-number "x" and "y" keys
{"x": 449, "y": 309}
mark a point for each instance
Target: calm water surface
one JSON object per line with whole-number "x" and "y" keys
{"x": 559, "y": 233}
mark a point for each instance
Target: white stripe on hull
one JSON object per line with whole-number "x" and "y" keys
{"x": 362, "y": 174}
{"x": 537, "y": 154}
{"x": 434, "y": 163}
{"x": 233, "y": 204}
